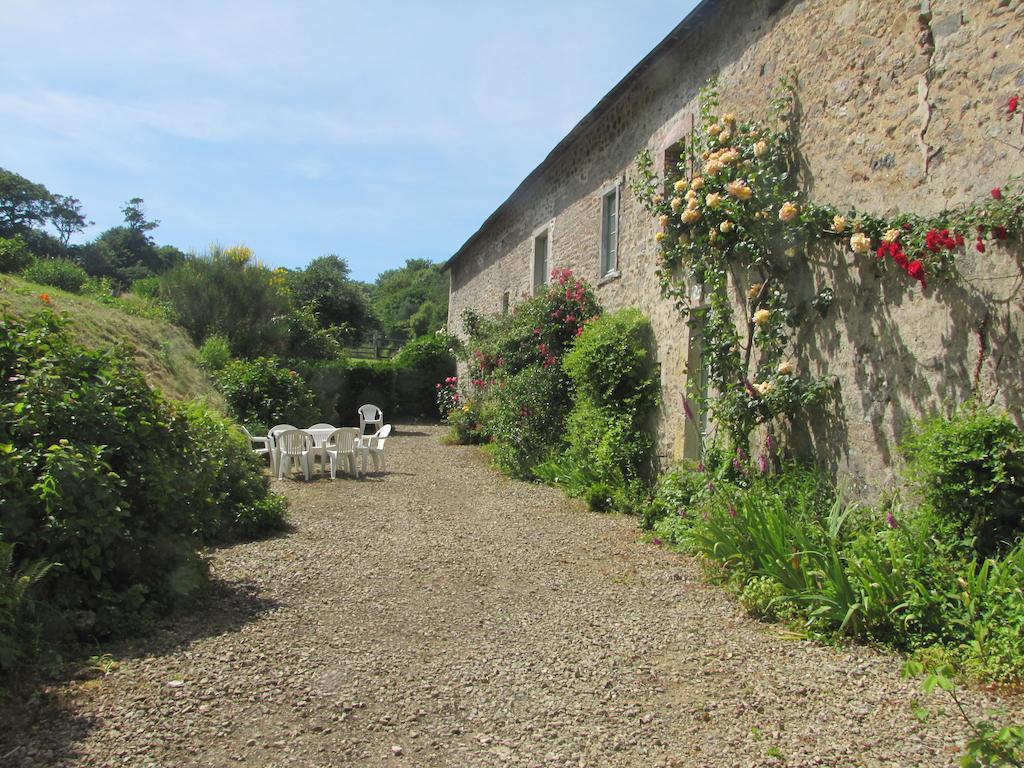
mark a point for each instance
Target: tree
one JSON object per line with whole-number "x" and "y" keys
{"x": 66, "y": 216}
{"x": 412, "y": 300}
{"x": 135, "y": 217}
{"x": 24, "y": 205}
{"x": 336, "y": 299}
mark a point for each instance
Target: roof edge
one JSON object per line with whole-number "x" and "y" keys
{"x": 598, "y": 111}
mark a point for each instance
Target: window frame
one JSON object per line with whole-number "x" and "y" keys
{"x": 546, "y": 231}
{"x": 612, "y": 271}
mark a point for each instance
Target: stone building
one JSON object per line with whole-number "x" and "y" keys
{"x": 903, "y": 106}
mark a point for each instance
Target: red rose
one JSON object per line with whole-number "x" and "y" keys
{"x": 1011, "y": 105}
{"x": 1000, "y": 233}
{"x": 980, "y": 245}
{"x": 900, "y": 258}
{"x": 959, "y": 239}
{"x": 997, "y": 193}
{"x": 916, "y": 270}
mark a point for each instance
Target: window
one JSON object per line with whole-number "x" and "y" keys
{"x": 505, "y": 300}
{"x": 541, "y": 257}
{"x": 610, "y": 231}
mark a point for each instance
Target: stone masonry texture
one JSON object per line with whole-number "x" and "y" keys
{"x": 902, "y": 107}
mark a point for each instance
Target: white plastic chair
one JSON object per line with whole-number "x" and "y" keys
{"x": 342, "y": 444}
{"x": 261, "y": 445}
{"x": 322, "y": 425}
{"x": 373, "y": 446}
{"x": 294, "y": 446}
{"x": 372, "y": 415}
{"x": 272, "y": 444}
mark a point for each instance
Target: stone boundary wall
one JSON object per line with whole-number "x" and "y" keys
{"x": 902, "y": 107}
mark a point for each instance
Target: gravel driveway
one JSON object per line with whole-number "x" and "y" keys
{"x": 442, "y": 615}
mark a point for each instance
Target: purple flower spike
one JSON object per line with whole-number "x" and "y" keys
{"x": 769, "y": 443}
{"x": 891, "y": 521}
{"x": 741, "y": 455}
{"x": 700, "y": 466}
{"x": 682, "y": 512}
{"x": 688, "y": 409}
{"x": 762, "y": 464}
{"x": 737, "y": 465}
{"x": 732, "y": 511}
{"x": 711, "y": 487}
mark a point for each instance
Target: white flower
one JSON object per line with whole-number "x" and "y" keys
{"x": 860, "y": 243}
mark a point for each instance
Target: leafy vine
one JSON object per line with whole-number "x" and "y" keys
{"x": 731, "y": 203}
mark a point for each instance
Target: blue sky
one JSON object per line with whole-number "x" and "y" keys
{"x": 377, "y": 131}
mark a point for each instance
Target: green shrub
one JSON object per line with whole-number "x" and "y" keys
{"x": 367, "y": 381}
{"x": 527, "y": 422}
{"x": 675, "y": 493}
{"x": 225, "y": 492}
{"x": 419, "y": 366}
{"x": 14, "y": 254}
{"x": 969, "y": 472}
{"x": 327, "y": 379}
{"x": 227, "y": 293}
{"x": 100, "y": 474}
{"x": 59, "y": 273}
{"x": 262, "y": 393}
{"x": 614, "y": 388}
{"x": 19, "y": 634}
{"x": 992, "y": 598}
{"x": 215, "y": 353}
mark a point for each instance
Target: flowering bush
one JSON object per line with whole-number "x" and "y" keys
{"x": 447, "y": 395}
{"x": 518, "y": 390}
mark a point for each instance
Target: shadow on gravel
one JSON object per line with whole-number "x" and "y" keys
{"x": 38, "y": 722}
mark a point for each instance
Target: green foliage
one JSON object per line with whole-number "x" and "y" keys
{"x": 367, "y": 381}
{"x": 969, "y": 471}
{"x": 519, "y": 396}
{"x": 411, "y": 301}
{"x": 23, "y": 204}
{"x": 225, "y": 293}
{"x": 100, "y": 474}
{"x": 226, "y": 493}
{"x": 215, "y": 353}
{"x": 528, "y": 419}
{"x": 336, "y": 301}
{"x": 14, "y": 254}
{"x": 262, "y": 392}
{"x": 59, "y": 273}
{"x": 614, "y": 390}
{"x": 990, "y": 744}
{"x": 18, "y": 628}
{"x": 308, "y": 339}
{"x": 676, "y": 491}
{"x": 419, "y": 366}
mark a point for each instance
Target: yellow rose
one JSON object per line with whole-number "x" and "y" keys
{"x": 714, "y": 129}
{"x": 860, "y": 243}
{"x": 761, "y": 149}
{"x": 663, "y": 220}
{"x": 890, "y": 236}
{"x": 739, "y": 190}
{"x": 660, "y": 236}
{"x": 728, "y": 117}
{"x": 838, "y": 223}
{"x": 690, "y": 194}
{"x": 712, "y": 167}
{"x": 690, "y": 215}
{"x": 726, "y": 227}
{"x": 788, "y": 211}
{"x": 692, "y": 202}
{"x": 713, "y": 200}
{"x": 680, "y": 185}
{"x": 753, "y": 290}
{"x": 761, "y": 316}
{"x": 657, "y": 199}
{"x": 785, "y": 368}
{"x": 725, "y": 135}
{"x": 697, "y": 183}
{"x": 764, "y": 387}
{"x": 676, "y": 204}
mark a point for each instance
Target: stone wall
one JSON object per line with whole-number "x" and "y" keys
{"x": 902, "y": 107}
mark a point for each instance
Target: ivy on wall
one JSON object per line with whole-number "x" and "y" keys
{"x": 731, "y": 206}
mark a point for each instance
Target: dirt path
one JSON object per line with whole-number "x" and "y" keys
{"x": 441, "y": 615}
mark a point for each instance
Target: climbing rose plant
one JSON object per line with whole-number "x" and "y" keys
{"x": 730, "y": 208}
